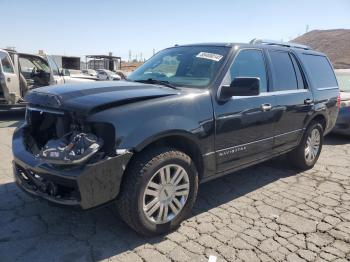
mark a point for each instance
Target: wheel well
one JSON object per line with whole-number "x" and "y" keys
{"x": 320, "y": 119}
{"x": 182, "y": 144}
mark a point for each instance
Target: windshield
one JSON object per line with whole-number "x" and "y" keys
{"x": 193, "y": 66}
{"x": 28, "y": 63}
{"x": 344, "y": 82}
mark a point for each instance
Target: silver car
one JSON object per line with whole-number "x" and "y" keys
{"x": 343, "y": 121}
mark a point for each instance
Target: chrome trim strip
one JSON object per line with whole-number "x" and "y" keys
{"x": 45, "y": 110}
{"x": 293, "y": 91}
{"x": 290, "y": 132}
{"x": 253, "y": 142}
{"x": 121, "y": 151}
{"x": 274, "y": 93}
{"x": 327, "y": 88}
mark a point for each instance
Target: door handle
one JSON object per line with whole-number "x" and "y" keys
{"x": 266, "y": 107}
{"x": 8, "y": 79}
{"x": 308, "y": 101}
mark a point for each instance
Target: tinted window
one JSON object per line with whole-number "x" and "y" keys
{"x": 6, "y": 65}
{"x": 283, "y": 69}
{"x": 248, "y": 63}
{"x": 319, "y": 71}
{"x": 299, "y": 75}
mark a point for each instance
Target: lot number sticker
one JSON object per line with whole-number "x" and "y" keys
{"x": 210, "y": 56}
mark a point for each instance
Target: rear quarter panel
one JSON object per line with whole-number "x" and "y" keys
{"x": 325, "y": 98}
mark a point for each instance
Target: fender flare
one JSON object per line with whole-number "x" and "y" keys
{"x": 169, "y": 133}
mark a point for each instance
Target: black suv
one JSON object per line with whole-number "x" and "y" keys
{"x": 190, "y": 114}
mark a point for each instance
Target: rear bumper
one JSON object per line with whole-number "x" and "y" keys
{"x": 85, "y": 186}
{"x": 342, "y": 125}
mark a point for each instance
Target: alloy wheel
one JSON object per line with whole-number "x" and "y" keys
{"x": 312, "y": 146}
{"x": 166, "y": 194}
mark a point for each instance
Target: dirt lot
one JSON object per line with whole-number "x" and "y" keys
{"x": 265, "y": 213}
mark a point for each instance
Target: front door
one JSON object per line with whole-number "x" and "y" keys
{"x": 9, "y": 79}
{"x": 244, "y": 125}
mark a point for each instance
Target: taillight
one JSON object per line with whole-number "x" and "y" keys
{"x": 338, "y": 101}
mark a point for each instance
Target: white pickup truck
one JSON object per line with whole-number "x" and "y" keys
{"x": 21, "y": 72}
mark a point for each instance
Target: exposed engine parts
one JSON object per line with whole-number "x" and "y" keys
{"x": 72, "y": 148}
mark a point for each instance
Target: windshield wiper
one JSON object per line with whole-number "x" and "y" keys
{"x": 158, "y": 82}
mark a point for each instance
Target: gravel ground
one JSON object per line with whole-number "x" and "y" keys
{"x": 269, "y": 212}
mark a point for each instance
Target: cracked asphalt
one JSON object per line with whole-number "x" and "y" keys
{"x": 269, "y": 212}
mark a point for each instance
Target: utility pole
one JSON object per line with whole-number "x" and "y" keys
{"x": 130, "y": 56}
{"x": 154, "y": 51}
{"x": 307, "y": 29}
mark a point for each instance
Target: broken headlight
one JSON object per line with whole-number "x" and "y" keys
{"x": 72, "y": 148}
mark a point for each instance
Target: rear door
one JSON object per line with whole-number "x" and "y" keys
{"x": 9, "y": 79}
{"x": 293, "y": 99}
{"x": 244, "y": 125}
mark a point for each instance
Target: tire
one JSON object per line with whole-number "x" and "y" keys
{"x": 146, "y": 168}
{"x": 298, "y": 157}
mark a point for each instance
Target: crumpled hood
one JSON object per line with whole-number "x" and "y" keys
{"x": 95, "y": 96}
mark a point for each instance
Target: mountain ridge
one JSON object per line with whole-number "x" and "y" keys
{"x": 335, "y": 43}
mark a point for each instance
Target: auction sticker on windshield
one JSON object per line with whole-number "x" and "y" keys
{"x": 210, "y": 56}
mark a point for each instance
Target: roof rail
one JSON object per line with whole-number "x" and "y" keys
{"x": 273, "y": 42}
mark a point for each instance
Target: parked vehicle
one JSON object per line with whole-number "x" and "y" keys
{"x": 342, "y": 125}
{"x": 63, "y": 76}
{"x": 90, "y": 72}
{"x": 188, "y": 115}
{"x": 104, "y": 74}
{"x": 20, "y": 72}
{"x": 73, "y": 73}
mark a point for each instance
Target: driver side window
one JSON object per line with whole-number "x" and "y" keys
{"x": 248, "y": 63}
{"x": 53, "y": 65}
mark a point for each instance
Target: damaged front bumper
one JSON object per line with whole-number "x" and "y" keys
{"x": 84, "y": 186}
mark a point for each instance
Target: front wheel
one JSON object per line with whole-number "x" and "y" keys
{"x": 307, "y": 153}
{"x": 158, "y": 191}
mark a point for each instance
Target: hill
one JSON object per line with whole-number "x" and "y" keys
{"x": 335, "y": 43}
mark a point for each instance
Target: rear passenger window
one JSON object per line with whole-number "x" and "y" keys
{"x": 319, "y": 71}
{"x": 284, "y": 74}
{"x": 248, "y": 63}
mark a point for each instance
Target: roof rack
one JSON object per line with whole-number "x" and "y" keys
{"x": 273, "y": 42}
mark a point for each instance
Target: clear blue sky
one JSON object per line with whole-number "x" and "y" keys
{"x": 97, "y": 27}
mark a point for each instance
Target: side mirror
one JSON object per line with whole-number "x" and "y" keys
{"x": 241, "y": 86}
